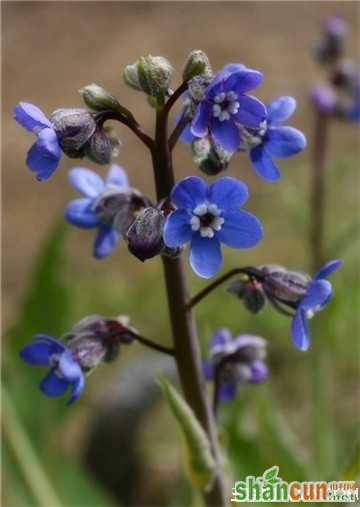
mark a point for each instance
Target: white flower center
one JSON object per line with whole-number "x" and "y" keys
{"x": 206, "y": 219}
{"x": 252, "y": 137}
{"x": 225, "y": 104}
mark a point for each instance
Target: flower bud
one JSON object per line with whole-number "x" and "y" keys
{"x": 144, "y": 235}
{"x": 152, "y": 75}
{"x": 331, "y": 46}
{"x": 103, "y": 146}
{"x": 95, "y": 339}
{"x": 250, "y": 291}
{"x": 210, "y": 158}
{"x": 324, "y": 98}
{"x": 197, "y": 64}
{"x": 98, "y": 99}
{"x": 74, "y": 128}
{"x": 127, "y": 205}
{"x": 284, "y": 286}
{"x": 197, "y": 87}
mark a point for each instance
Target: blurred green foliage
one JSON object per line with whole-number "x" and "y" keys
{"x": 304, "y": 419}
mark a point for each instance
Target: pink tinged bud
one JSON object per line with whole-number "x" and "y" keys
{"x": 324, "y": 98}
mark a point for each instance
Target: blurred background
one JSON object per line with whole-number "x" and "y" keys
{"x": 119, "y": 445}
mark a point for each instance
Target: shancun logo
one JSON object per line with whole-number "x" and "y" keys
{"x": 271, "y": 488}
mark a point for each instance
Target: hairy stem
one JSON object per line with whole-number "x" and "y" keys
{"x": 187, "y": 352}
{"x": 317, "y": 195}
{"x": 129, "y": 121}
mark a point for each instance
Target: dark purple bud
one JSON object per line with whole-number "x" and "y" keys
{"x": 250, "y": 291}
{"x": 210, "y": 158}
{"x": 284, "y": 286}
{"x": 74, "y": 128}
{"x": 144, "y": 235}
{"x": 95, "y": 339}
{"x": 127, "y": 205}
{"x": 331, "y": 46}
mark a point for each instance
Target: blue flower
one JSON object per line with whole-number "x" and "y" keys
{"x": 224, "y": 106}
{"x": 207, "y": 216}
{"x": 273, "y": 139}
{"x": 90, "y": 211}
{"x": 65, "y": 370}
{"x": 234, "y": 362}
{"x": 44, "y": 155}
{"x": 318, "y": 294}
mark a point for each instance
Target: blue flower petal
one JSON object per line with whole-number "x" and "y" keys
{"x": 299, "y": 331}
{"x": 251, "y": 111}
{"x": 221, "y": 76}
{"x": 240, "y": 230}
{"x": 284, "y": 142}
{"x": 219, "y": 338}
{"x": 117, "y": 177}
{"x": 79, "y": 212}
{"x": 105, "y": 241}
{"x": 328, "y": 268}
{"x": 189, "y": 192}
{"x": 37, "y": 353}
{"x": 227, "y": 392}
{"x": 52, "y": 385}
{"x": 317, "y": 296}
{"x": 69, "y": 368}
{"x": 200, "y": 122}
{"x": 226, "y": 134}
{"x": 205, "y": 256}
{"x": 228, "y": 193}
{"x": 243, "y": 81}
{"x": 186, "y": 135}
{"x": 177, "y": 229}
{"x": 86, "y": 182}
{"x": 263, "y": 164}
{"x": 30, "y": 117}
{"x": 44, "y": 155}
{"x": 259, "y": 372}
{"x": 280, "y": 109}
{"x": 77, "y": 389}
{"x": 58, "y": 346}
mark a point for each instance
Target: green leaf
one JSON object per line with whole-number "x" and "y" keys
{"x": 201, "y": 461}
{"x": 352, "y": 471}
{"x": 270, "y": 475}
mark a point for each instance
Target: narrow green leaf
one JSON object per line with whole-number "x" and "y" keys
{"x": 201, "y": 461}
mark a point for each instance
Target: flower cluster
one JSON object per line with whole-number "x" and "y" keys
{"x": 92, "y": 340}
{"x": 339, "y": 95}
{"x": 230, "y": 120}
{"x": 234, "y": 362}
{"x": 292, "y": 293}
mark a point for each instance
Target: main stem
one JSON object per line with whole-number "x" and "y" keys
{"x": 317, "y": 190}
{"x": 187, "y": 351}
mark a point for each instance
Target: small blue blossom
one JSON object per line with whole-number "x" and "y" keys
{"x": 88, "y": 212}
{"x": 65, "y": 370}
{"x": 207, "y": 216}
{"x": 234, "y": 362}
{"x": 44, "y": 155}
{"x": 273, "y": 139}
{"x": 225, "y": 106}
{"x": 318, "y": 294}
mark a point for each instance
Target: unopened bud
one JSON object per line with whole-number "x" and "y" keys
{"x": 74, "y": 128}
{"x": 102, "y": 147}
{"x": 197, "y": 87}
{"x": 98, "y": 99}
{"x": 197, "y": 64}
{"x": 127, "y": 205}
{"x": 131, "y": 76}
{"x": 144, "y": 235}
{"x": 251, "y": 292}
{"x": 210, "y": 158}
{"x": 284, "y": 286}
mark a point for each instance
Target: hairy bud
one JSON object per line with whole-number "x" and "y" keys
{"x": 210, "y": 158}
{"x": 74, "y": 128}
{"x": 98, "y": 99}
{"x": 197, "y": 87}
{"x": 251, "y": 293}
{"x": 144, "y": 235}
{"x": 197, "y": 64}
{"x": 103, "y": 146}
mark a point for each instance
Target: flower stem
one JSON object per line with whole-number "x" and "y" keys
{"x": 250, "y": 271}
{"x": 152, "y": 345}
{"x": 187, "y": 351}
{"x": 130, "y": 122}
{"x": 317, "y": 197}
